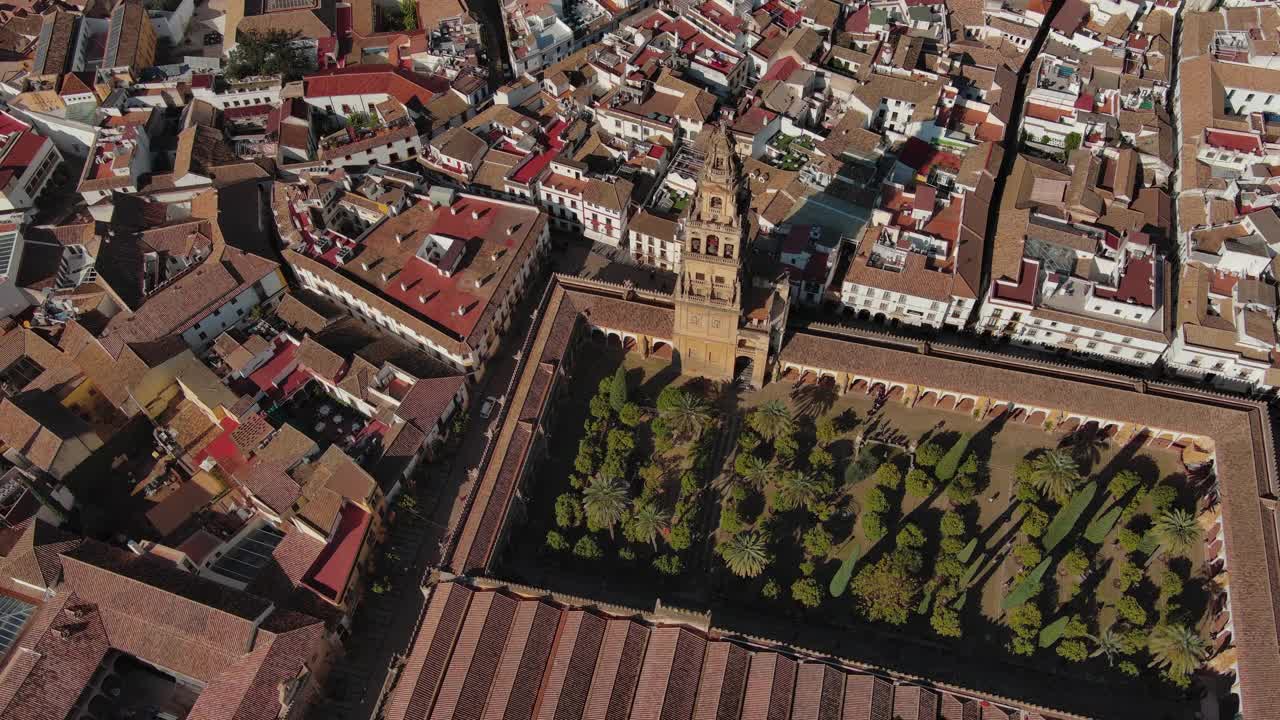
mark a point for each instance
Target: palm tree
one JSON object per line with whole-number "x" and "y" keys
{"x": 1107, "y": 642}
{"x": 1176, "y": 647}
{"x": 1055, "y": 474}
{"x": 1178, "y": 529}
{"x": 772, "y": 420}
{"x": 688, "y": 415}
{"x": 648, "y": 521}
{"x": 605, "y": 501}
{"x": 756, "y": 471}
{"x": 796, "y": 489}
{"x": 746, "y": 554}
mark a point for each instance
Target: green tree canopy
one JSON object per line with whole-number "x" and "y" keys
{"x": 605, "y": 501}
{"x": 771, "y": 420}
{"x": 886, "y": 591}
{"x": 1178, "y": 529}
{"x": 274, "y": 52}
{"x": 1177, "y": 648}
{"x": 745, "y": 554}
{"x": 1055, "y": 474}
{"x": 686, "y": 413}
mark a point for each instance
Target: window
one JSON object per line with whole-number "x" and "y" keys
{"x": 728, "y": 251}
{"x": 700, "y": 277}
{"x": 695, "y": 245}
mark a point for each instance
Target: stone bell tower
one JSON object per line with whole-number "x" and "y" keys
{"x": 708, "y": 296}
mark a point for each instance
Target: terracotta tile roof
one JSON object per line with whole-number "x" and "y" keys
{"x": 485, "y": 652}
{"x": 34, "y": 556}
{"x": 244, "y": 652}
{"x": 428, "y": 399}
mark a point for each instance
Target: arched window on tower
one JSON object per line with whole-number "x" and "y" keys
{"x": 713, "y": 245}
{"x": 728, "y": 252}
{"x": 695, "y": 245}
{"x": 717, "y": 204}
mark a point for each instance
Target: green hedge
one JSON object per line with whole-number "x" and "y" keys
{"x": 924, "y": 602}
{"x": 840, "y": 580}
{"x": 1150, "y": 541}
{"x": 968, "y": 574}
{"x": 1027, "y": 588}
{"x": 1068, "y": 516}
{"x": 1052, "y": 632}
{"x": 946, "y": 467}
{"x": 1102, "y": 525}
{"x": 967, "y": 552}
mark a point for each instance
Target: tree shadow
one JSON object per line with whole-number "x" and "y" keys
{"x": 814, "y": 400}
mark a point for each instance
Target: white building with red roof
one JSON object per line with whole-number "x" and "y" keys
{"x": 443, "y": 275}
{"x": 27, "y": 161}
{"x": 360, "y": 87}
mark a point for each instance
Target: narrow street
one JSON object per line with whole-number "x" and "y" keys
{"x": 1011, "y": 143}
{"x": 384, "y": 623}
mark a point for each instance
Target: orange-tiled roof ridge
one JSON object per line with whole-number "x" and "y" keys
{"x": 505, "y": 650}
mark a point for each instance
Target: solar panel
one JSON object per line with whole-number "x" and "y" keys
{"x": 7, "y": 243}
{"x": 13, "y": 616}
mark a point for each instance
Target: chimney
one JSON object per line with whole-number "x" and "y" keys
{"x": 422, "y": 299}
{"x": 364, "y": 266}
{"x": 510, "y": 229}
{"x": 399, "y": 238}
{"x": 453, "y": 210}
{"x": 404, "y": 286}
{"x": 462, "y": 310}
{"x": 475, "y": 214}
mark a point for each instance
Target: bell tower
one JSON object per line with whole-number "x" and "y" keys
{"x": 708, "y": 296}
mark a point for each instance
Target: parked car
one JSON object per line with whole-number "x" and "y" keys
{"x": 486, "y": 407}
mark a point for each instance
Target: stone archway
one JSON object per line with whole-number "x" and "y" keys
{"x": 743, "y": 366}
{"x": 661, "y": 349}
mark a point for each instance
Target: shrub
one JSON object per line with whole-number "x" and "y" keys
{"x": 962, "y": 490}
{"x": 568, "y": 510}
{"x": 952, "y": 524}
{"x": 888, "y": 590}
{"x": 1129, "y": 540}
{"x": 967, "y": 552}
{"x": 947, "y": 466}
{"x": 951, "y": 545}
{"x": 1129, "y": 575}
{"x": 1022, "y": 646}
{"x": 680, "y": 537}
{"x": 840, "y": 580}
{"x": 1128, "y": 608}
{"x": 1170, "y": 584}
{"x": 587, "y": 548}
{"x": 630, "y": 415}
{"x": 1098, "y": 530}
{"x": 1068, "y": 516}
{"x": 826, "y": 431}
{"x": 1024, "y": 472}
{"x": 807, "y": 568}
{"x": 1025, "y": 492}
{"x": 748, "y": 441}
{"x": 1025, "y": 619}
{"x": 1162, "y": 498}
{"x": 928, "y": 454}
{"x": 688, "y": 484}
{"x": 626, "y": 553}
{"x": 556, "y": 541}
{"x": 817, "y": 541}
{"x": 820, "y": 459}
{"x": 1073, "y": 650}
{"x": 888, "y": 475}
{"x": 1075, "y": 628}
{"x": 1027, "y": 554}
{"x": 770, "y": 590}
{"x": 730, "y": 522}
{"x": 1035, "y": 521}
{"x": 668, "y": 564}
{"x": 1121, "y": 483}
{"x": 910, "y": 536}
{"x": 1128, "y": 668}
{"x": 919, "y": 484}
{"x": 806, "y": 592}
{"x": 599, "y": 407}
{"x": 945, "y": 621}
{"x": 874, "y": 527}
{"x": 1075, "y": 562}
{"x": 949, "y": 567}
{"x": 875, "y": 501}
